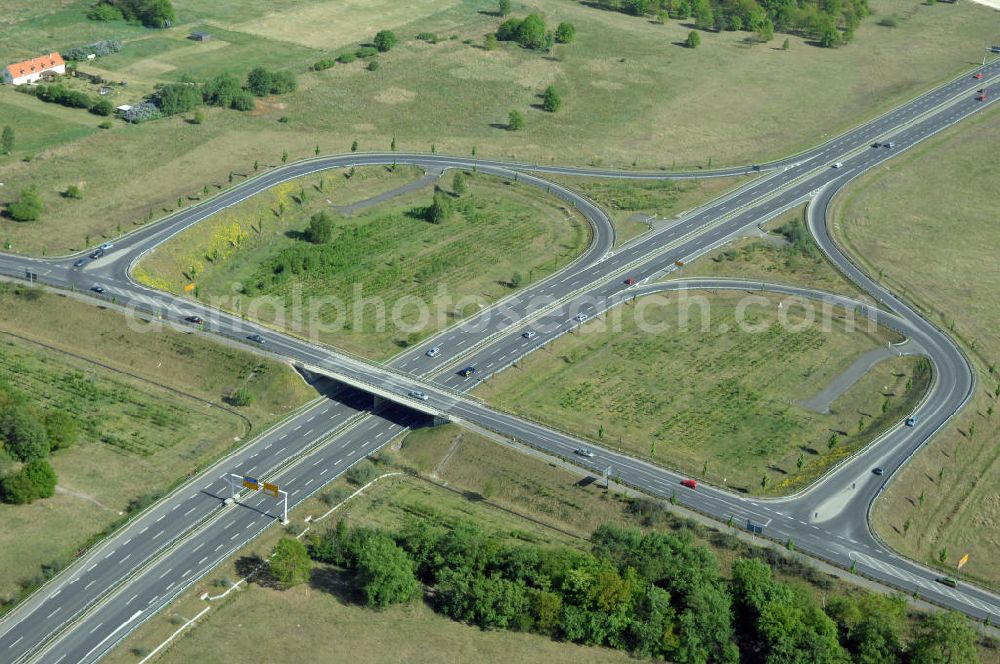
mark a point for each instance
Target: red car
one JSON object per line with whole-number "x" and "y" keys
{"x": 978, "y": 75}
{"x": 691, "y": 484}
{"x": 630, "y": 281}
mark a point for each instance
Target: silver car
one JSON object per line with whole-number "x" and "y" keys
{"x": 433, "y": 351}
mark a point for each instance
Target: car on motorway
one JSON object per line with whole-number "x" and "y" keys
{"x": 879, "y": 470}
{"x": 994, "y": 49}
{"x": 80, "y": 262}
{"x": 107, "y": 246}
{"x": 876, "y": 144}
{"x": 97, "y": 253}
{"x": 630, "y": 281}
{"x": 838, "y": 165}
{"x": 889, "y": 145}
{"x": 579, "y": 318}
{"x": 691, "y": 484}
{"x": 433, "y": 351}
{"x": 529, "y": 334}
{"x": 949, "y": 581}
{"x": 978, "y": 75}
{"x": 197, "y": 320}
{"x": 467, "y": 371}
{"x": 417, "y": 394}
{"x": 911, "y": 421}
{"x": 584, "y": 452}
{"x": 256, "y": 338}
{"x": 97, "y": 288}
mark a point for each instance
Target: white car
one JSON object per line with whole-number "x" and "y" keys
{"x": 107, "y": 246}
{"x": 433, "y": 351}
{"x": 529, "y": 334}
{"x": 580, "y": 317}
{"x": 417, "y": 394}
{"x": 838, "y": 165}
{"x": 584, "y": 452}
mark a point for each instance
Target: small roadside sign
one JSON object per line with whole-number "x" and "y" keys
{"x": 961, "y": 561}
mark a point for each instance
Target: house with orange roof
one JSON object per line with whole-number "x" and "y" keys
{"x": 31, "y": 70}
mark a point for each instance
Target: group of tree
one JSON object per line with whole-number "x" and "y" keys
{"x": 27, "y": 436}
{"x": 829, "y": 22}
{"x": 530, "y": 32}
{"x": 652, "y": 593}
{"x": 60, "y": 94}
{"x": 150, "y": 13}
{"x": 224, "y": 90}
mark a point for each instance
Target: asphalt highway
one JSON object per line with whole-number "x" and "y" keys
{"x": 95, "y": 603}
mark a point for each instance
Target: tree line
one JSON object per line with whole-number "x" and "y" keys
{"x": 150, "y": 13}
{"x": 830, "y": 22}
{"x": 224, "y": 90}
{"x": 27, "y": 437}
{"x": 654, "y": 594}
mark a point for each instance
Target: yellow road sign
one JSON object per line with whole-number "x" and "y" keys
{"x": 190, "y": 287}
{"x": 961, "y": 561}
{"x": 251, "y": 482}
{"x": 271, "y": 489}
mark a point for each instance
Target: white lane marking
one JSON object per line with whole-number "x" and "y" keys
{"x": 57, "y": 610}
{"x": 157, "y": 534}
{"x": 15, "y": 642}
{"x": 203, "y": 560}
{"x": 124, "y": 559}
{"x": 189, "y": 511}
{"x": 90, "y": 584}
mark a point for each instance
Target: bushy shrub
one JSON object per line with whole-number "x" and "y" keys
{"x": 325, "y": 63}
{"x": 100, "y": 48}
{"x": 366, "y": 52}
{"x": 362, "y": 473}
{"x": 102, "y": 107}
{"x": 385, "y": 40}
{"x": 27, "y": 207}
{"x": 142, "y": 112}
{"x": 263, "y": 82}
{"x": 36, "y": 480}
{"x": 346, "y": 58}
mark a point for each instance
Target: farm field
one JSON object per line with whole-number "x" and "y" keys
{"x": 140, "y": 403}
{"x": 532, "y": 501}
{"x": 709, "y": 384}
{"x": 629, "y": 203}
{"x": 500, "y": 236}
{"x": 632, "y": 96}
{"x": 937, "y": 246}
{"x": 778, "y": 258}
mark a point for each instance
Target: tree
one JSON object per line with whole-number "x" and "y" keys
{"x": 440, "y": 209}
{"x": 944, "y": 637}
{"x": 290, "y": 564}
{"x": 503, "y": 7}
{"x": 259, "y": 81}
{"x": 531, "y": 32}
{"x": 565, "y": 33}
{"x": 320, "y": 229}
{"x": 515, "y": 121}
{"x": 177, "y": 98}
{"x": 490, "y": 42}
{"x": 73, "y": 191}
{"x": 551, "y": 100}
{"x": 221, "y": 90}
{"x": 385, "y": 572}
{"x": 693, "y": 39}
{"x": 703, "y": 16}
{"x": 385, "y": 40}
{"x": 284, "y": 156}
{"x": 458, "y": 184}
{"x": 35, "y": 480}
{"x": 7, "y": 139}
{"x": 198, "y": 117}
{"x": 241, "y": 397}
{"x": 27, "y": 207}
{"x": 354, "y": 146}
{"x": 61, "y": 429}
{"x": 784, "y": 44}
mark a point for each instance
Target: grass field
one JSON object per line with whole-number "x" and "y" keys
{"x": 630, "y": 202}
{"x": 139, "y": 401}
{"x": 937, "y": 246}
{"x": 631, "y": 94}
{"x": 714, "y": 397}
{"x": 774, "y": 260}
{"x": 386, "y": 253}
